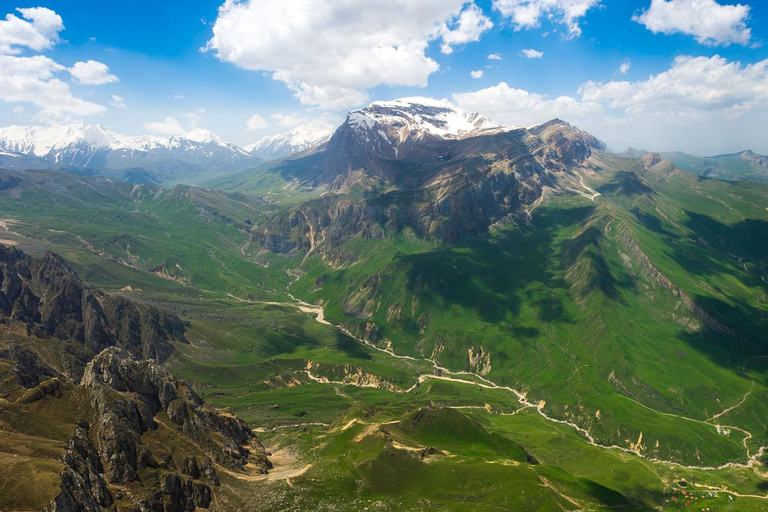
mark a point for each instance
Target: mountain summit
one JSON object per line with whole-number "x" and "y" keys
{"x": 388, "y": 128}
{"x": 299, "y": 139}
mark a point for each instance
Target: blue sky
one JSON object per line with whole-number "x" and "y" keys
{"x": 265, "y": 58}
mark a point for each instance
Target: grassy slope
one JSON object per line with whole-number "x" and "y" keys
{"x": 570, "y": 313}
{"x": 725, "y": 167}
{"x": 553, "y": 303}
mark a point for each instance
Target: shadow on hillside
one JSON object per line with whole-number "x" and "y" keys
{"x": 494, "y": 275}
{"x": 737, "y": 327}
{"x": 626, "y": 183}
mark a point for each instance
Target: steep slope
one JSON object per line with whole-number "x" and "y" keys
{"x": 101, "y": 430}
{"x": 505, "y": 284}
{"x": 299, "y": 139}
{"x": 441, "y": 188}
{"x": 44, "y": 298}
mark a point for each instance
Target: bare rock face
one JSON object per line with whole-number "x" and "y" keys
{"x": 83, "y": 487}
{"x": 115, "y": 458}
{"x": 47, "y": 298}
{"x": 129, "y": 395}
{"x": 145, "y": 439}
{"x": 429, "y": 168}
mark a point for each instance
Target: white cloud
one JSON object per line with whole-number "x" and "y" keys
{"x": 527, "y": 14}
{"x": 703, "y": 105}
{"x": 694, "y": 87}
{"x": 38, "y": 30}
{"x": 494, "y": 56}
{"x": 256, "y": 122}
{"x": 532, "y": 54}
{"x": 477, "y": 74}
{"x": 118, "y": 101}
{"x": 34, "y": 79}
{"x": 625, "y": 67}
{"x": 92, "y": 73}
{"x": 468, "y": 27}
{"x": 194, "y": 117}
{"x": 706, "y": 20}
{"x": 170, "y": 126}
{"x": 291, "y": 119}
{"x": 330, "y": 53}
{"x": 521, "y": 108}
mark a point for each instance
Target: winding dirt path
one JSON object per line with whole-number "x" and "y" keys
{"x": 480, "y": 381}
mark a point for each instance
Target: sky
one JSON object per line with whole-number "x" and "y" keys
{"x": 661, "y": 75}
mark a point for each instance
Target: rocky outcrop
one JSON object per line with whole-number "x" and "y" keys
{"x": 45, "y": 298}
{"x": 135, "y": 446}
{"x": 479, "y": 361}
{"x": 129, "y": 395}
{"x": 83, "y": 487}
{"x": 651, "y": 272}
{"x": 347, "y": 375}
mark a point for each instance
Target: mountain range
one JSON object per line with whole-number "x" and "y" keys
{"x": 427, "y": 310}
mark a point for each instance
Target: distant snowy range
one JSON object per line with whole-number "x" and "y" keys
{"x": 190, "y": 158}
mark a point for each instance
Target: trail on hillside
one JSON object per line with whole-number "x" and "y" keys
{"x": 457, "y": 376}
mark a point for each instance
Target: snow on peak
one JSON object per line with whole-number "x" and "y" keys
{"x": 43, "y": 141}
{"x": 79, "y": 144}
{"x": 417, "y": 117}
{"x": 298, "y": 139}
{"x": 204, "y": 137}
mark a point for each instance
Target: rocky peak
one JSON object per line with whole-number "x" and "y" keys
{"x": 559, "y": 145}
{"x": 388, "y": 128}
{"x": 128, "y": 396}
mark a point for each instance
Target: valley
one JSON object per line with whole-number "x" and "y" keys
{"x": 426, "y": 311}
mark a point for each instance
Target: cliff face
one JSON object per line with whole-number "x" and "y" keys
{"x": 45, "y": 298}
{"x": 132, "y": 435}
{"x": 442, "y": 188}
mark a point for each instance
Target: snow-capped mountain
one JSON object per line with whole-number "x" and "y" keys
{"x": 299, "y": 139}
{"x": 388, "y": 129}
{"x": 94, "y": 147}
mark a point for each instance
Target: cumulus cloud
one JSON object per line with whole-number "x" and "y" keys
{"x": 256, "y": 122}
{"x": 194, "y": 117}
{"x": 532, "y": 54}
{"x": 32, "y": 80}
{"x": 477, "y": 74}
{"x": 118, "y": 101}
{"x": 330, "y": 53}
{"x": 625, "y": 67}
{"x": 518, "y": 107}
{"x": 37, "y": 29}
{"x": 35, "y": 79}
{"x": 706, "y": 20}
{"x": 527, "y": 14}
{"x": 725, "y": 101}
{"x": 170, "y": 126}
{"x": 468, "y": 27}
{"x": 693, "y": 87}
{"x": 291, "y": 119}
{"x": 92, "y": 73}
{"x": 495, "y": 56}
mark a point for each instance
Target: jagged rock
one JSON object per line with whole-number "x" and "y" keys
{"x": 83, "y": 488}
{"x": 47, "y": 298}
{"x": 128, "y": 395}
{"x": 28, "y": 367}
